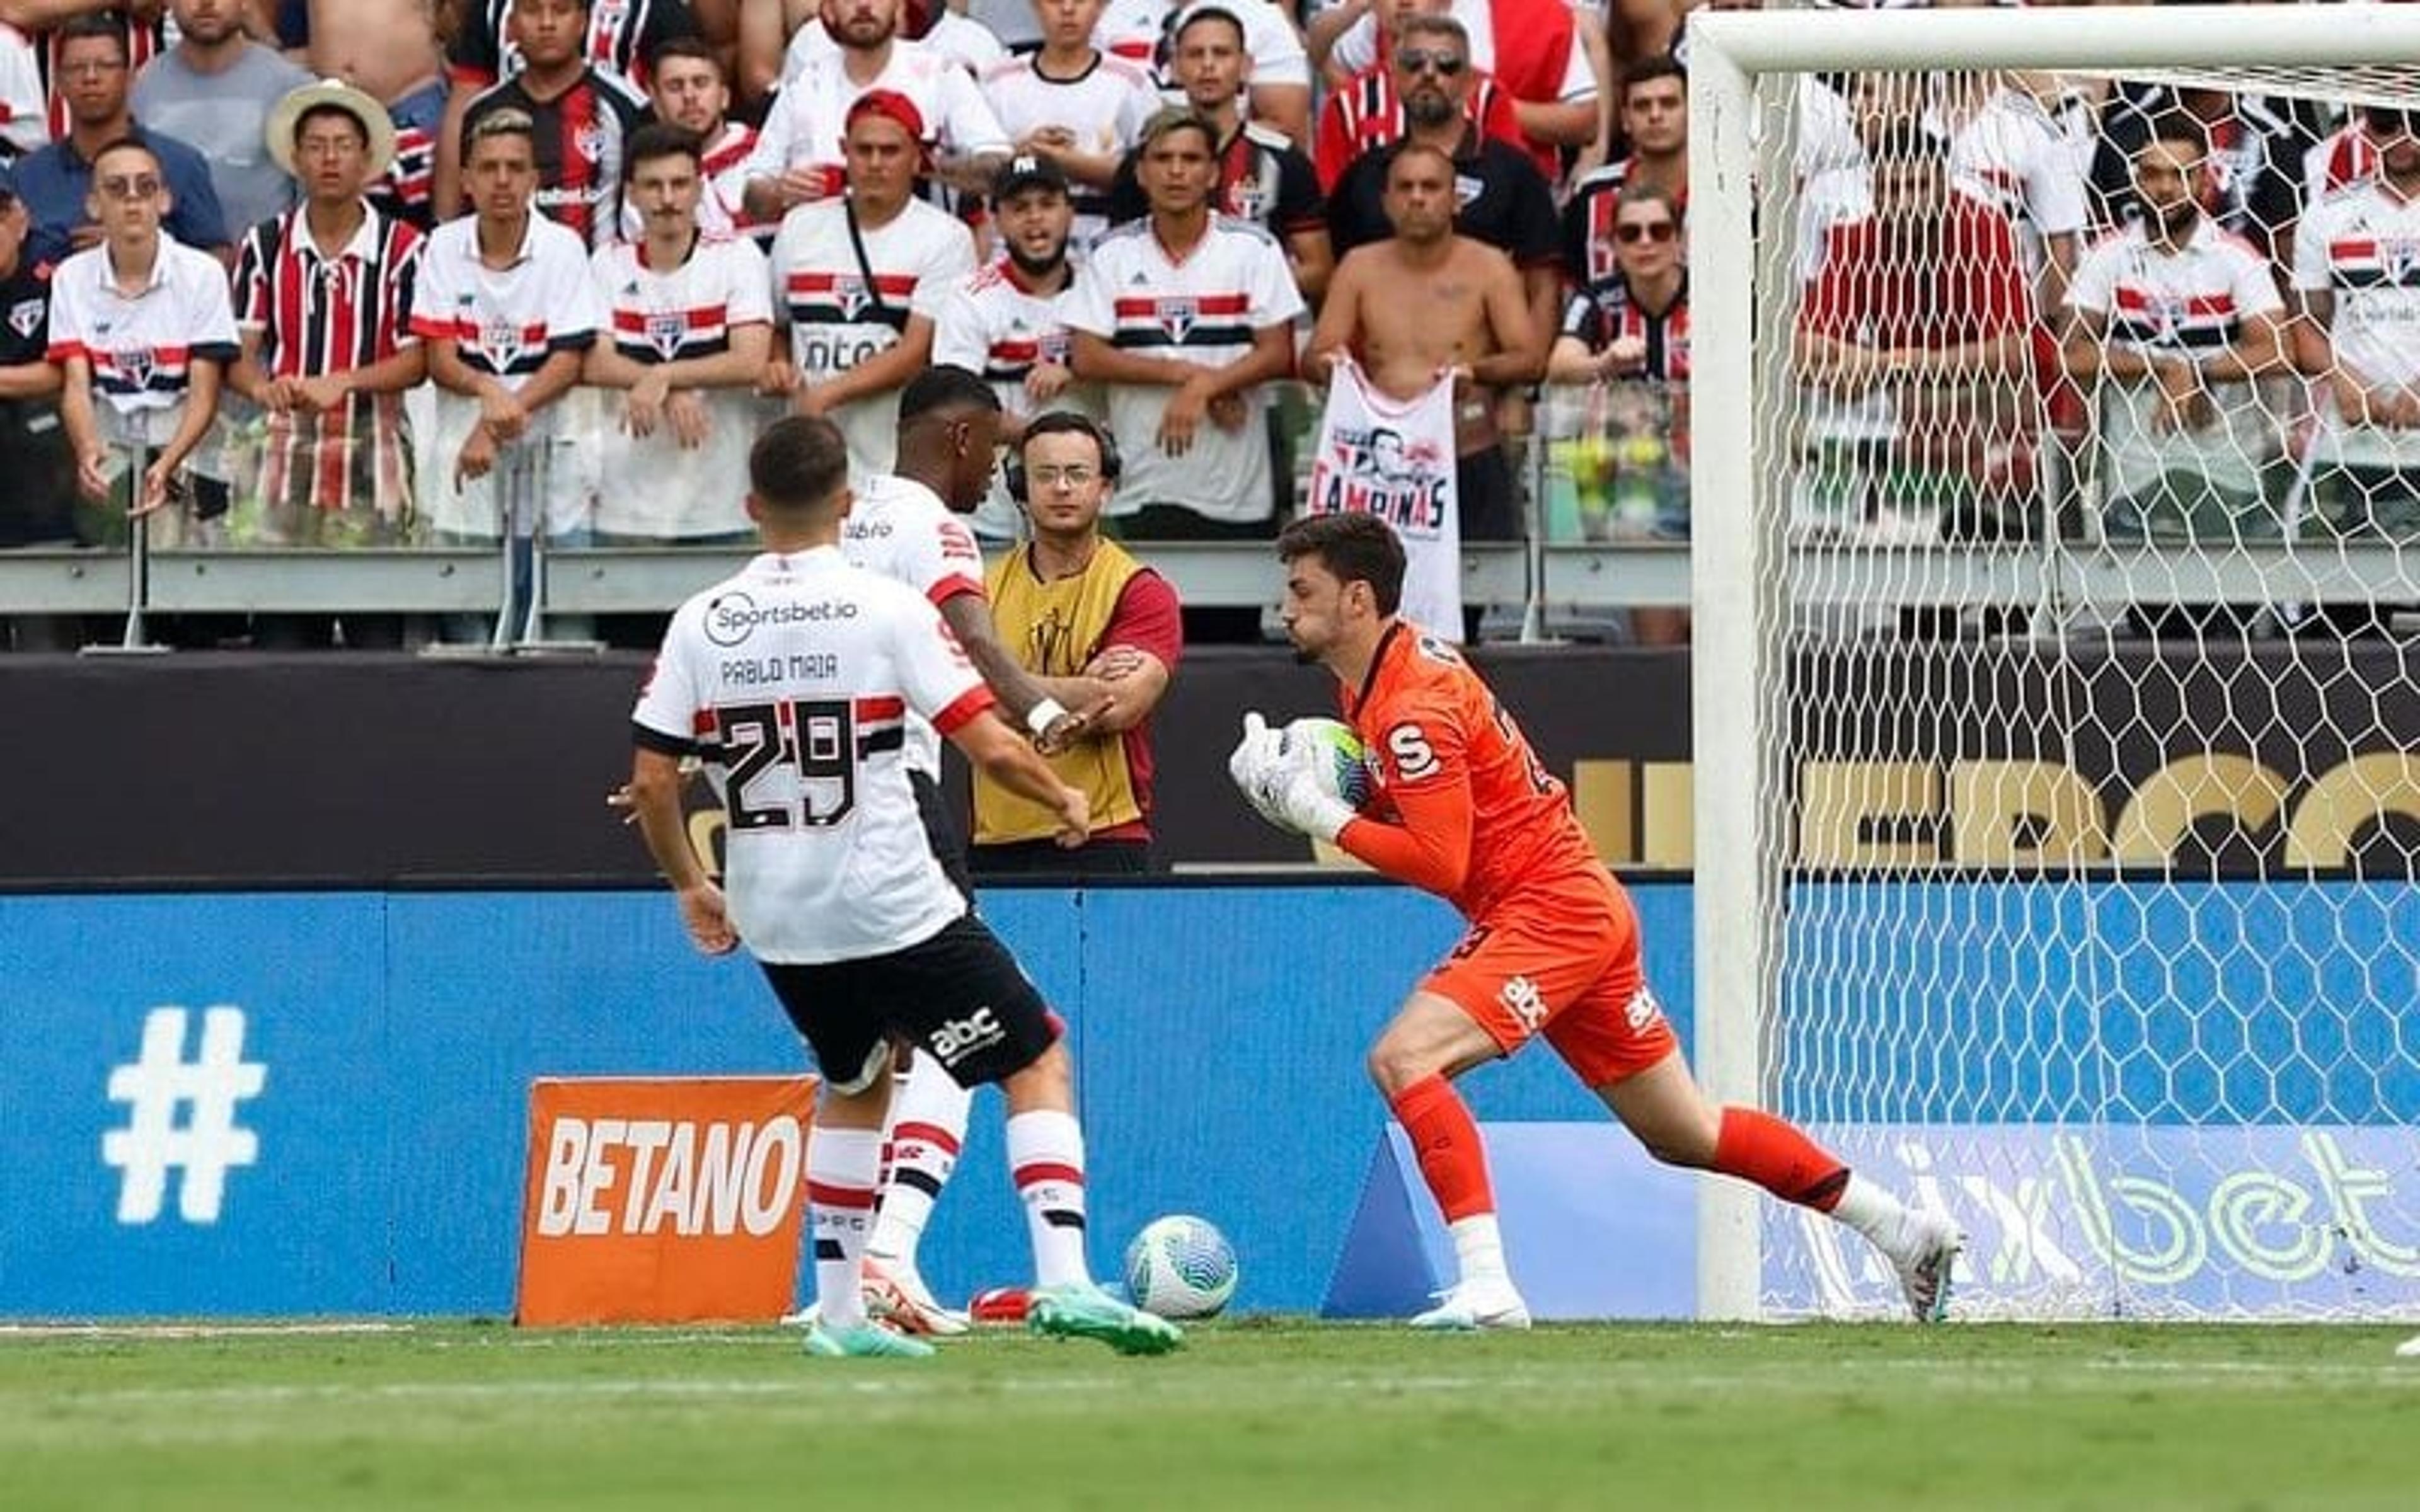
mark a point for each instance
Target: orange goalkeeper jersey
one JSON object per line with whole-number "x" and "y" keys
{"x": 1466, "y": 809}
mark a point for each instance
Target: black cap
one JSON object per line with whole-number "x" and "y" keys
{"x": 1025, "y": 171}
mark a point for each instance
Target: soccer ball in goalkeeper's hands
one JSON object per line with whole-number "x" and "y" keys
{"x": 1180, "y": 1266}
{"x": 1333, "y": 753}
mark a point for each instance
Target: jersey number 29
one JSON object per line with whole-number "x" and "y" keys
{"x": 815, "y": 737}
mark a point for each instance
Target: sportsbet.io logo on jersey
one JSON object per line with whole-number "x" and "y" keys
{"x": 732, "y": 618}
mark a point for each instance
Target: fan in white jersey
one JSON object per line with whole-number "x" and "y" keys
{"x": 964, "y": 40}
{"x": 1141, "y": 31}
{"x": 793, "y": 162}
{"x": 791, "y": 680}
{"x": 686, "y": 84}
{"x": 2175, "y": 319}
{"x": 1187, "y": 317}
{"x": 909, "y": 526}
{"x": 2357, "y": 271}
{"x": 1009, "y": 321}
{"x": 689, "y": 327}
{"x": 859, "y": 278}
{"x": 1074, "y": 105}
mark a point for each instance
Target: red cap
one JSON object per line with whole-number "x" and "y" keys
{"x": 889, "y": 102}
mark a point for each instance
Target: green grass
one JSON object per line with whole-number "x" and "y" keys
{"x": 1254, "y": 1417}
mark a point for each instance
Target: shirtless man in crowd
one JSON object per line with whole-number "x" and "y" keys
{"x": 1426, "y": 301}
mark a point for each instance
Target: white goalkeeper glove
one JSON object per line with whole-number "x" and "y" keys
{"x": 1257, "y": 766}
{"x": 1305, "y": 806}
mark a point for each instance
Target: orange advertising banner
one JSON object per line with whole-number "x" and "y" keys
{"x": 664, "y": 1200}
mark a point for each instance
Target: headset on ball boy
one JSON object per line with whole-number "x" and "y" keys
{"x": 1059, "y": 423}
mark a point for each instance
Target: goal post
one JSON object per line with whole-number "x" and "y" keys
{"x": 2058, "y": 871}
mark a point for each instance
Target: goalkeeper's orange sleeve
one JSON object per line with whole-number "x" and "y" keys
{"x": 1430, "y": 848}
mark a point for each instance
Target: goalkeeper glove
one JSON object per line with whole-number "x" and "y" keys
{"x": 1305, "y": 806}
{"x": 1257, "y": 768}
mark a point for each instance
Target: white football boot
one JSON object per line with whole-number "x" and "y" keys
{"x": 900, "y": 1298}
{"x": 1487, "y": 1302}
{"x": 1928, "y": 1250}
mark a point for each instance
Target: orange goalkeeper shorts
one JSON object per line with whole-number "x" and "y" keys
{"x": 1568, "y": 969}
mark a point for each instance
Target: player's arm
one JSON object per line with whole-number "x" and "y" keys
{"x": 968, "y": 616}
{"x": 1124, "y": 682}
{"x": 654, "y": 794}
{"x": 1005, "y": 758}
{"x": 1429, "y": 845}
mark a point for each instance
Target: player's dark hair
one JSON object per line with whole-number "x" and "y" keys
{"x": 799, "y": 464}
{"x": 1201, "y": 13}
{"x": 332, "y": 113}
{"x": 2180, "y": 126}
{"x": 109, "y": 24}
{"x": 946, "y": 387}
{"x": 1648, "y": 69}
{"x": 688, "y": 47}
{"x": 1355, "y": 547}
{"x": 659, "y": 139}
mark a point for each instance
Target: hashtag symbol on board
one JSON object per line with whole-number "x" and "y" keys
{"x": 160, "y": 1085}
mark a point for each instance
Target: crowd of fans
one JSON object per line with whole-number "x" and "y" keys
{"x": 335, "y": 272}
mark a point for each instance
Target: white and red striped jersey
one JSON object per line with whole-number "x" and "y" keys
{"x": 656, "y": 315}
{"x": 1105, "y": 106}
{"x": 2344, "y": 156}
{"x": 1142, "y": 31}
{"x": 794, "y": 678}
{"x": 505, "y": 322}
{"x": 24, "y": 123}
{"x": 900, "y": 529}
{"x": 963, "y": 41}
{"x": 838, "y": 318}
{"x": 803, "y": 125}
{"x": 2362, "y": 246}
{"x": 142, "y": 348}
{"x": 991, "y": 323}
{"x": 1206, "y": 307}
{"x": 1358, "y": 48}
{"x": 721, "y": 205}
{"x": 2014, "y": 155}
{"x": 2190, "y": 303}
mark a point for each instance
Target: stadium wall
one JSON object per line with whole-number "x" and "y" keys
{"x": 1218, "y": 1031}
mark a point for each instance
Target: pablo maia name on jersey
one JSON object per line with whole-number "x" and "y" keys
{"x": 732, "y": 617}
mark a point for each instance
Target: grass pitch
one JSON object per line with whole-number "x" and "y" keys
{"x": 1256, "y": 1416}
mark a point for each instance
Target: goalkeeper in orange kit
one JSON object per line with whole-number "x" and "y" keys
{"x": 1463, "y": 809}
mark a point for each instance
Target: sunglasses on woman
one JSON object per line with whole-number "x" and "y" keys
{"x": 1656, "y": 231}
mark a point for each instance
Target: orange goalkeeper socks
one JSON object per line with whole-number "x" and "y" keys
{"x": 1446, "y": 1141}
{"x": 1759, "y": 1148}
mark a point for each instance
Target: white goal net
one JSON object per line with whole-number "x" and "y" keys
{"x": 2057, "y": 574}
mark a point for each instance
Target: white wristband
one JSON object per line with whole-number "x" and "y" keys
{"x": 1040, "y": 717}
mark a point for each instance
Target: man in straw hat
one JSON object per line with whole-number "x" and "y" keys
{"x": 322, "y": 298}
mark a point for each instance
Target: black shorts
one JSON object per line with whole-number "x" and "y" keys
{"x": 959, "y": 997}
{"x": 1049, "y": 858}
{"x": 941, "y": 833}
{"x": 1488, "y": 508}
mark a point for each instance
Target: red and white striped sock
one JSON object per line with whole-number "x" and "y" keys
{"x": 1046, "y": 1156}
{"x": 928, "y": 1127}
{"x": 841, "y": 1169}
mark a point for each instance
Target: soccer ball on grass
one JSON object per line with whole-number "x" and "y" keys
{"x": 1180, "y": 1266}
